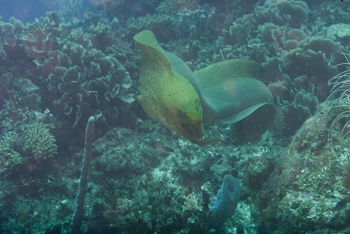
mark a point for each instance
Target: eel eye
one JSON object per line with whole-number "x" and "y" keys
{"x": 182, "y": 114}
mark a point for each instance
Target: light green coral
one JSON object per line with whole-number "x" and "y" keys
{"x": 99, "y": 29}
{"x": 8, "y": 156}
{"x": 39, "y": 142}
{"x": 35, "y": 145}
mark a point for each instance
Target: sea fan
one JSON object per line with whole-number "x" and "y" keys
{"x": 341, "y": 94}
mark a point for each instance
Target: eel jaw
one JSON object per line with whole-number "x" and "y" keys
{"x": 195, "y": 132}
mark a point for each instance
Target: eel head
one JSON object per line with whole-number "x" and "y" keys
{"x": 183, "y": 111}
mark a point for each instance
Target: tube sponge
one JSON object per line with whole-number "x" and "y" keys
{"x": 78, "y": 214}
{"x": 223, "y": 206}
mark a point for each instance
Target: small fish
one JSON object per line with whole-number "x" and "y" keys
{"x": 342, "y": 203}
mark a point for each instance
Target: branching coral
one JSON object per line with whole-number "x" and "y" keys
{"x": 39, "y": 143}
{"x": 34, "y": 146}
{"x": 9, "y": 157}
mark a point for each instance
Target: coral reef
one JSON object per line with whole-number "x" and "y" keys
{"x": 59, "y": 70}
{"x": 9, "y": 35}
{"x": 76, "y": 78}
{"x": 277, "y": 36}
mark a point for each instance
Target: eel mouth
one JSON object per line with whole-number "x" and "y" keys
{"x": 194, "y": 130}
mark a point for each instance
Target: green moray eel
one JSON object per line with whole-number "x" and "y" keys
{"x": 228, "y": 91}
{"x": 165, "y": 95}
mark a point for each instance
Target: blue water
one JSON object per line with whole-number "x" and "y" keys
{"x": 28, "y": 10}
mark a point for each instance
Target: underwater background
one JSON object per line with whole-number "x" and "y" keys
{"x": 62, "y": 61}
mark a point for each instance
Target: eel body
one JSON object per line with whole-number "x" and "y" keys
{"x": 228, "y": 91}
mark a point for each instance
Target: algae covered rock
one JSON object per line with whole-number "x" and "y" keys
{"x": 300, "y": 193}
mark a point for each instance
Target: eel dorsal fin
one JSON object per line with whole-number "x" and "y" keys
{"x": 154, "y": 62}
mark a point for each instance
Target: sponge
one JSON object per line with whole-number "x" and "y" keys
{"x": 223, "y": 206}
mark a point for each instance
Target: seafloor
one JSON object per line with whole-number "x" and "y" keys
{"x": 69, "y": 65}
